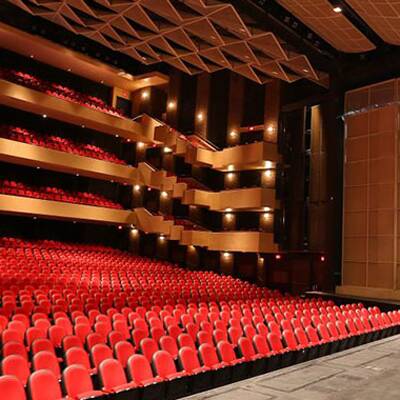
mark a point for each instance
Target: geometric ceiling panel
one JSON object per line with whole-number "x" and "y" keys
{"x": 383, "y": 16}
{"x": 191, "y": 35}
{"x": 335, "y": 28}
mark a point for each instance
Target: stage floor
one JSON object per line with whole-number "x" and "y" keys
{"x": 369, "y": 372}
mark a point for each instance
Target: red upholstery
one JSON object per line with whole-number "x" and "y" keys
{"x": 57, "y": 90}
{"x": 55, "y": 194}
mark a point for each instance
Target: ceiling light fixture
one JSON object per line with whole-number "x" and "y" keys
{"x": 337, "y": 9}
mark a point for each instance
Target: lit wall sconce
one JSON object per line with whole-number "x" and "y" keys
{"x": 228, "y": 209}
{"x": 267, "y": 164}
{"x": 228, "y": 217}
{"x": 267, "y": 208}
{"x": 226, "y": 254}
{"x": 171, "y": 105}
{"x": 200, "y": 116}
{"x": 167, "y": 149}
{"x": 233, "y": 134}
{"x": 270, "y": 129}
{"x": 145, "y": 94}
{"x": 120, "y": 227}
{"x": 140, "y": 145}
{"x": 231, "y": 167}
{"x": 266, "y": 216}
{"x": 164, "y": 195}
{"x": 136, "y": 188}
{"x": 268, "y": 173}
{"x": 278, "y": 256}
{"x": 322, "y": 258}
{"x": 230, "y": 176}
{"x": 161, "y": 238}
{"x": 134, "y": 232}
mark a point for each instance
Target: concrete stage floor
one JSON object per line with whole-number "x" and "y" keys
{"x": 368, "y": 372}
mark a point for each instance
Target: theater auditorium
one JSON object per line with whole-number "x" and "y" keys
{"x": 199, "y": 199}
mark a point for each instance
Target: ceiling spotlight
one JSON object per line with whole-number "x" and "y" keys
{"x": 44, "y": 115}
{"x": 32, "y": 56}
{"x": 337, "y": 9}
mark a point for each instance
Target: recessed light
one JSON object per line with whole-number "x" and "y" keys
{"x": 44, "y": 115}
{"x": 101, "y": 82}
{"x": 337, "y": 9}
{"x": 306, "y": 70}
{"x": 32, "y": 56}
{"x": 69, "y": 70}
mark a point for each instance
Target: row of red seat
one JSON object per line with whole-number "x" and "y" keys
{"x": 57, "y": 143}
{"x": 57, "y": 90}
{"x": 14, "y": 188}
{"x": 102, "y": 321}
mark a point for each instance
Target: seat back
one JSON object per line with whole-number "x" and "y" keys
{"x": 99, "y": 353}
{"x": 208, "y": 355}
{"x": 226, "y": 352}
{"x": 139, "y": 369}
{"x": 163, "y": 363}
{"x": 111, "y": 374}
{"x": 261, "y": 344}
{"x": 77, "y": 380}
{"x": 16, "y": 365}
{"x": 11, "y": 388}
{"x": 43, "y": 385}
{"x": 188, "y": 359}
{"x": 46, "y": 360}
{"x": 123, "y": 350}
{"x": 77, "y": 355}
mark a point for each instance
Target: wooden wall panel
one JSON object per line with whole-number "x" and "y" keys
{"x": 370, "y": 222}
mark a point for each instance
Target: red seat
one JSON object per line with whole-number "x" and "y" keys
{"x": 140, "y": 372}
{"x": 17, "y": 366}
{"x": 148, "y": 347}
{"x": 168, "y": 343}
{"x": 164, "y": 365}
{"x": 11, "y": 388}
{"x": 261, "y": 345}
{"x": 123, "y": 350}
{"x": 190, "y": 362}
{"x": 113, "y": 377}
{"x": 46, "y": 360}
{"x": 43, "y": 385}
{"x": 77, "y": 382}
{"x": 77, "y": 355}
{"x": 185, "y": 340}
{"x": 14, "y": 348}
{"x": 227, "y": 354}
{"x": 99, "y": 353}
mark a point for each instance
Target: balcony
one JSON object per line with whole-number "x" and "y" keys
{"x": 35, "y": 156}
{"x": 26, "y": 99}
{"x": 25, "y": 206}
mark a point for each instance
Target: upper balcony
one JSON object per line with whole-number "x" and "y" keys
{"x": 35, "y": 156}
{"x": 26, "y": 99}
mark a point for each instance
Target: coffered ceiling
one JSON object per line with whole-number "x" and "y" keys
{"x": 191, "y": 35}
